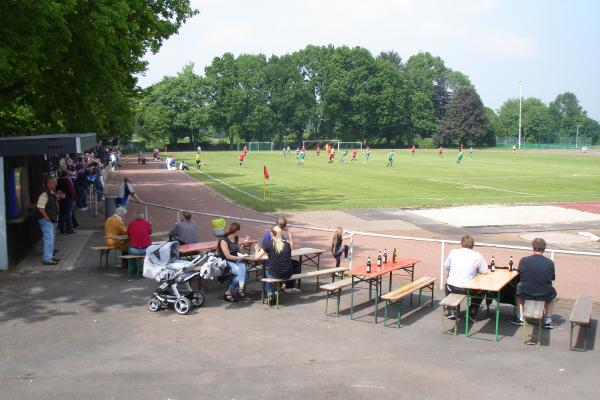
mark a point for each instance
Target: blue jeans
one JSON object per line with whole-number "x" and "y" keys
{"x": 82, "y": 196}
{"x": 238, "y": 269}
{"x": 47, "y": 228}
{"x": 134, "y": 251}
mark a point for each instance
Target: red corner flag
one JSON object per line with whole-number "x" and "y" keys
{"x": 266, "y": 172}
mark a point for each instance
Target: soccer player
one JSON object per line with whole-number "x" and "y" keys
{"x": 245, "y": 149}
{"x": 287, "y": 150}
{"x": 198, "y": 160}
{"x": 327, "y": 148}
{"x": 514, "y": 148}
{"x": 241, "y": 157}
{"x": 297, "y": 153}
{"x": 331, "y": 156}
{"x": 283, "y": 150}
{"x": 441, "y": 151}
{"x": 471, "y": 152}
{"x": 301, "y": 158}
{"x": 391, "y": 155}
{"x": 459, "y": 157}
{"x": 354, "y": 155}
{"x": 343, "y": 159}
{"x": 413, "y": 149}
{"x": 318, "y": 150}
{"x": 367, "y": 153}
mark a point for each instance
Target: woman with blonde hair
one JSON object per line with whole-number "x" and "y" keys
{"x": 337, "y": 250}
{"x": 279, "y": 251}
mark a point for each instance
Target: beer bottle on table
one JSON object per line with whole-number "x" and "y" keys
{"x": 379, "y": 259}
{"x": 385, "y": 256}
{"x": 368, "y": 265}
{"x": 493, "y": 265}
{"x": 394, "y": 255}
{"x": 510, "y": 264}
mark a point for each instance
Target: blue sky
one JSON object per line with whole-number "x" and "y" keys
{"x": 552, "y": 46}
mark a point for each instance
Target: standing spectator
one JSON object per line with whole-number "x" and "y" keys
{"x": 62, "y": 163}
{"x": 186, "y": 230}
{"x": 463, "y": 265}
{"x": 139, "y": 231}
{"x": 115, "y": 226}
{"x": 536, "y": 273}
{"x": 113, "y": 160}
{"x": 126, "y": 190}
{"x": 47, "y": 205}
{"x": 65, "y": 214}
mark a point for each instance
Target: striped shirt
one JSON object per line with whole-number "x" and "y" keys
{"x": 186, "y": 232}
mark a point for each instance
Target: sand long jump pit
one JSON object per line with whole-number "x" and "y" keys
{"x": 535, "y": 216}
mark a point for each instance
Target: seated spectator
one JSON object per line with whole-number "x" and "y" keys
{"x": 186, "y": 230}
{"x": 126, "y": 190}
{"x": 536, "y": 273}
{"x": 141, "y": 159}
{"x": 286, "y": 235}
{"x": 281, "y": 266}
{"x": 228, "y": 248}
{"x": 463, "y": 265}
{"x": 183, "y": 166}
{"x": 114, "y": 226}
{"x": 139, "y": 231}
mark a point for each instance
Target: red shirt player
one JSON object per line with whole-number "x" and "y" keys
{"x": 331, "y": 155}
{"x": 441, "y": 151}
{"x": 328, "y": 148}
{"x": 245, "y": 150}
{"x": 318, "y": 150}
{"x": 242, "y": 156}
{"x": 354, "y": 155}
{"x": 413, "y": 149}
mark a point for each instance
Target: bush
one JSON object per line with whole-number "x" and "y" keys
{"x": 425, "y": 143}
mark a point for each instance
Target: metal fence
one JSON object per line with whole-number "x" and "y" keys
{"x": 443, "y": 243}
{"x": 563, "y": 143}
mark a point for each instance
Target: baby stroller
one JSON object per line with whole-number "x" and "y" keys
{"x": 163, "y": 265}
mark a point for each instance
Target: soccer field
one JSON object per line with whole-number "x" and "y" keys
{"x": 490, "y": 177}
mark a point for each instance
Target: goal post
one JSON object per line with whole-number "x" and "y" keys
{"x": 256, "y": 146}
{"x": 312, "y": 144}
{"x": 349, "y": 146}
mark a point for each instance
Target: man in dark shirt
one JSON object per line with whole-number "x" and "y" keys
{"x": 536, "y": 274}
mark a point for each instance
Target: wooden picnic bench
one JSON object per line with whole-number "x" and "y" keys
{"x": 581, "y": 315}
{"x": 277, "y": 281}
{"x": 533, "y": 309}
{"x": 407, "y": 290}
{"x": 104, "y": 252}
{"x": 336, "y": 287}
{"x": 452, "y": 302}
{"x": 131, "y": 258}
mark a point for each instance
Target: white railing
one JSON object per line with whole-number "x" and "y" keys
{"x": 442, "y": 242}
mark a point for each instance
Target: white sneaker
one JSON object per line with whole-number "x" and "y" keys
{"x": 292, "y": 290}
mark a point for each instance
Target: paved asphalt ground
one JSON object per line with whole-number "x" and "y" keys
{"x": 82, "y": 333}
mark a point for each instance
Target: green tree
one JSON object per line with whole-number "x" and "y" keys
{"x": 465, "y": 120}
{"x": 537, "y": 123}
{"x": 70, "y": 65}
{"x": 567, "y": 113}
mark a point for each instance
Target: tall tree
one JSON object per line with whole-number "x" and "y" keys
{"x": 70, "y": 65}
{"x": 465, "y": 120}
{"x": 567, "y": 113}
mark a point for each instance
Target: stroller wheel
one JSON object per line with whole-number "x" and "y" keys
{"x": 197, "y": 299}
{"x": 182, "y": 305}
{"x": 154, "y": 304}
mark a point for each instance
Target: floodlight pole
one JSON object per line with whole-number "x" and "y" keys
{"x": 577, "y": 135}
{"x": 520, "y": 112}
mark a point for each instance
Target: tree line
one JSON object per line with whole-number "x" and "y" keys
{"x": 70, "y": 66}
{"x": 344, "y": 93}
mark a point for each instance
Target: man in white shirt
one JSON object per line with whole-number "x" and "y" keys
{"x": 462, "y": 265}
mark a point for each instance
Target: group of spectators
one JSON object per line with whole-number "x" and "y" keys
{"x": 138, "y": 231}
{"x": 66, "y": 189}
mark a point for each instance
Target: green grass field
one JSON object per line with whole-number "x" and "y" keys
{"x": 490, "y": 177}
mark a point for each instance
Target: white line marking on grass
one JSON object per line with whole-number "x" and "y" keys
{"x": 481, "y": 187}
{"x": 227, "y": 184}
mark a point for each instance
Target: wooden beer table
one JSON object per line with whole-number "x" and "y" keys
{"x": 126, "y": 237}
{"x": 359, "y": 274}
{"x": 490, "y": 282}
{"x": 204, "y": 247}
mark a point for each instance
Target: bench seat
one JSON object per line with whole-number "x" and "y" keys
{"x": 406, "y": 290}
{"x": 279, "y": 281}
{"x": 581, "y": 315}
{"x": 533, "y": 309}
{"x": 131, "y": 260}
{"x": 452, "y": 301}
{"x": 104, "y": 252}
{"x": 337, "y": 287}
